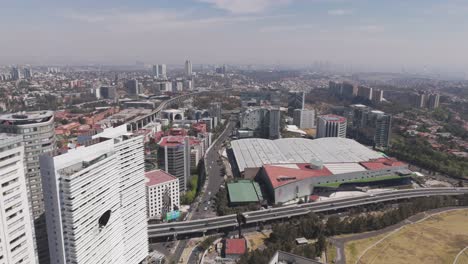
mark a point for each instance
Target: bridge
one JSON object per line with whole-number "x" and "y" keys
{"x": 202, "y": 226}
{"x": 142, "y": 121}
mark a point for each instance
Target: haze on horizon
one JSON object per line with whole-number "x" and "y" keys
{"x": 377, "y": 33}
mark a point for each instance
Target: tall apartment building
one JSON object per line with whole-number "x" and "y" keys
{"x": 304, "y": 118}
{"x": 295, "y": 101}
{"x": 188, "y": 68}
{"x": 265, "y": 122}
{"x": 424, "y": 99}
{"x": 174, "y": 158}
{"x": 16, "y": 234}
{"x": 365, "y": 92}
{"x": 348, "y": 90}
{"x": 96, "y": 201}
{"x": 433, "y": 100}
{"x": 162, "y": 193}
{"x": 369, "y": 126}
{"x": 331, "y": 126}
{"x": 37, "y": 131}
{"x": 162, "y": 74}
{"x": 132, "y": 86}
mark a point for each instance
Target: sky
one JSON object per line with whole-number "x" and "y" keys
{"x": 375, "y": 33}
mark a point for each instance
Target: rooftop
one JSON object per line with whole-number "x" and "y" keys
{"x": 172, "y": 141}
{"x": 235, "y": 246}
{"x": 156, "y": 177}
{"x": 256, "y": 152}
{"x": 244, "y": 191}
{"x": 280, "y": 175}
{"x": 333, "y": 118}
{"x": 25, "y": 118}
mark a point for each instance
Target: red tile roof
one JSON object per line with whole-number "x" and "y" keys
{"x": 157, "y": 177}
{"x": 235, "y": 246}
{"x": 172, "y": 141}
{"x": 381, "y": 163}
{"x": 281, "y": 175}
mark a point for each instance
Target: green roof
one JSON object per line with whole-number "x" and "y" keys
{"x": 244, "y": 191}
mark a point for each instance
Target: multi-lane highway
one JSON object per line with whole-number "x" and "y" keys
{"x": 202, "y": 226}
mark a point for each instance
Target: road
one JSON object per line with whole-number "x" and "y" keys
{"x": 201, "y": 226}
{"x": 214, "y": 179}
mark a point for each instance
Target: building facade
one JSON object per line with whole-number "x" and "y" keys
{"x": 96, "y": 201}
{"x": 295, "y": 101}
{"x": 16, "y": 236}
{"x": 188, "y": 68}
{"x": 331, "y": 126}
{"x": 370, "y": 127}
{"x": 162, "y": 193}
{"x": 37, "y": 130}
{"x": 304, "y": 118}
{"x": 265, "y": 122}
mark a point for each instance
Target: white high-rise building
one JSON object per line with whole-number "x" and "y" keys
{"x": 304, "y": 118}
{"x": 188, "y": 68}
{"x": 162, "y": 193}
{"x": 161, "y": 71}
{"x": 95, "y": 201}
{"x": 16, "y": 237}
{"x": 331, "y": 126}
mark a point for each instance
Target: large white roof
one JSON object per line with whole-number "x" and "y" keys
{"x": 255, "y": 152}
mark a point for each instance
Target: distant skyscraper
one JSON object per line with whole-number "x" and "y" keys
{"x": 348, "y": 90}
{"x": 155, "y": 71}
{"x": 304, "y": 118}
{"x": 188, "y": 68}
{"x": 15, "y": 73}
{"x": 37, "y": 130}
{"x": 377, "y": 95}
{"x": 295, "y": 101}
{"x": 95, "y": 201}
{"x": 174, "y": 158}
{"x": 365, "y": 92}
{"x": 27, "y": 73}
{"x": 132, "y": 87}
{"x": 331, "y": 126}
{"x": 274, "y": 124}
{"x": 433, "y": 100}
{"x": 106, "y": 92}
{"x": 16, "y": 234}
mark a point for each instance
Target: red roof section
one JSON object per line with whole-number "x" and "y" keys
{"x": 172, "y": 141}
{"x": 381, "y": 163}
{"x": 281, "y": 175}
{"x": 235, "y": 246}
{"x": 333, "y": 118}
{"x": 157, "y": 177}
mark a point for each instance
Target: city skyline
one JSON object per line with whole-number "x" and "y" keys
{"x": 383, "y": 34}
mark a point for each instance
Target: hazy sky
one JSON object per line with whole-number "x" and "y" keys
{"x": 374, "y": 32}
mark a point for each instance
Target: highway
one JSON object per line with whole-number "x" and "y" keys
{"x": 202, "y": 226}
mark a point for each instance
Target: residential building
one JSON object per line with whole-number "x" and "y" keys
{"x": 162, "y": 193}
{"x": 16, "y": 236}
{"x": 377, "y": 95}
{"x": 161, "y": 74}
{"x": 295, "y": 101}
{"x": 365, "y": 92}
{"x": 331, "y": 126}
{"x": 433, "y": 100}
{"x": 348, "y": 90}
{"x": 263, "y": 121}
{"x": 27, "y": 73}
{"x": 37, "y": 130}
{"x": 274, "y": 123}
{"x": 106, "y": 92}
{"x": 15, "y": 73}
{"x": 174, "y": 155}
{"x": 304, "y": 118}
{"x": 95, "y": 201}
{"x": 188, "y": 68}
{"x": 369, "y": 126}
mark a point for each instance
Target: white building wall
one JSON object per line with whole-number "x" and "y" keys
{"x": 16, "y": 237}
{"x": 155, "y": 194}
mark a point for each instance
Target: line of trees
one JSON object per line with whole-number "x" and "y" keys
{"x": 319, "y": 227}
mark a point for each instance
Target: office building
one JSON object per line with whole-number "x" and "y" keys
{"x": 16, "y": 234}
{"x": 15, "y": 74}
{"x": 106, "y": 92}
{"x": 274, "y": 123}
{"x": 295, "y": 101}
{"x": 37, "y": 130}
{"x": 132, "y": 86}
{"x": 161, "y": 73}
{"x": 331, "y": 126}
{"x": 96, "y": 201}
{"x": 162, "y": 193}
{"x": 164, "y": 86}
{"x": 304, "y": 118}
{"x": 335, "y": 88}
{"x": 27, "y": 73}
{"x": 188, "y": 68}
{"x": 154, "y": 71}
{"x": 365, "y": 92}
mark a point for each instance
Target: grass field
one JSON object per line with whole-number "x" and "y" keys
{"x": 256, "y": 239}
{"x": 331, "y": 252}
{"x": 436, "y": 240}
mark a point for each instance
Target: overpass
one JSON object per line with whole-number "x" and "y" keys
{"x": 202, "y": 226}
{"x": 142, "y": 121}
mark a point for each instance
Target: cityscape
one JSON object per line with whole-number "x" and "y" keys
{"x": 219, "y": 152}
